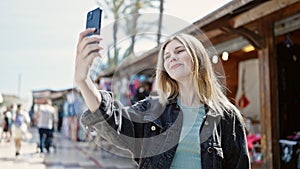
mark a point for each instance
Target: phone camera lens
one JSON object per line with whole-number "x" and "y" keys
{"x": 90, "y": 16}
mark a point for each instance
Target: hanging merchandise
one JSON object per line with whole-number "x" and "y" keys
{"x": 80, "y": 107}
{"x": 105, "y": 84}
{"x": 243, "y": 101}
{"x": 66, "y": 127}
{"x": 142, "y": 78}
{"x": 73, "y": 128}
{"x": 247, "y": 96}
{"x": 140, "y": 87}
{"x": 124, "y": 89}
{"x": 290, "y": 153}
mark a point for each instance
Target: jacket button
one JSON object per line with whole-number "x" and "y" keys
{"x": 153, "y": 128}
{"x": 209, "y": 150}
{"x": 206, "y": 123}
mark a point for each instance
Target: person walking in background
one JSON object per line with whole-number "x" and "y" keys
{"x": 191, "y": 124}
{"x": 60, "y": 118}
{"x": 7, "y": 133}
{"x": 20, "y": 125}
{"x": 45, "y": 117}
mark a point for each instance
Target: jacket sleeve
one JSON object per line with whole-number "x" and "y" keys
{"x": 115, "y": 123}
{"x": 236, "y": 152}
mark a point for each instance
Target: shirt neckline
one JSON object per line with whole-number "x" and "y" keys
{"x": 188, "y": 107}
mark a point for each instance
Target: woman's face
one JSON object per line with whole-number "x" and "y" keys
{"x": 177, "y": 61}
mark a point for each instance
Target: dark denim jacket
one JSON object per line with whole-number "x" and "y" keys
{"x": 150, "y": 131}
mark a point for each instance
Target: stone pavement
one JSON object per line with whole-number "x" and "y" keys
{"x": 67, "y": 155}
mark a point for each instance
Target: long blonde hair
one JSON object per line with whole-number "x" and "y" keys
{"x": 209, "y": 90}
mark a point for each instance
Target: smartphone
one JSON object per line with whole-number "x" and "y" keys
{"x": 93, "y": 20}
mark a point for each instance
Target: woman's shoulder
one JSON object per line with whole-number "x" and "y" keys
{"x": 233, "y": 115}
{"x": 147, "y": 104}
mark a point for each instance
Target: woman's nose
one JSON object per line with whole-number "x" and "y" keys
{"x": 173, "y": 57}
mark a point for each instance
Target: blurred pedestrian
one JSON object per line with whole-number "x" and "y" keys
{"x": 45, "y": 117}
{"x": 19, "y": 128}
{"x": 191, "y": 124}
{"x": 60, "y": 118}
{"x": 7, "y": 133}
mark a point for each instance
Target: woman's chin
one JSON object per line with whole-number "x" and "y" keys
{"x": 180, "y": 77}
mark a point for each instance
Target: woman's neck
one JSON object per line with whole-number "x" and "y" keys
{"x": 188, "y": 95}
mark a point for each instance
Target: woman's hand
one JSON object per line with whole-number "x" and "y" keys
{"x": 87, "y": 50}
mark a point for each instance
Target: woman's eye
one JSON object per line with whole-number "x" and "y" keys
{"x": 181, "y": 50}
{"x": 167, "y": 57}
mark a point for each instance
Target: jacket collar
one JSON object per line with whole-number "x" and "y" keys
{"x": 208, "y": 109}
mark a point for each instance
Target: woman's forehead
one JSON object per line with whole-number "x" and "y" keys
{"x": 173, "y": 44}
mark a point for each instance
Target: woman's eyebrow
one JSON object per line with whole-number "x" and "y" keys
{"x": 179, "y": 47}
{"x": 166, "y": 53}
{"x": 176, "y": 48}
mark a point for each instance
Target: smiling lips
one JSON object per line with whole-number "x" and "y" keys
{"x": 175, "y": 66}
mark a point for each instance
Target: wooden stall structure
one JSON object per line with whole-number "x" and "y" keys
{"x": 252, "y": 30}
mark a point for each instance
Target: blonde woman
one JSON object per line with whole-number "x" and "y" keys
{"x": 191, "y": 124}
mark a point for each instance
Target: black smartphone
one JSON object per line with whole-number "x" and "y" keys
{"x": 93, "y": 20}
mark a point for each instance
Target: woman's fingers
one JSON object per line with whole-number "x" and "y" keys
{"x": 85, "y": 33}
{"x": 87, "y": 50}
{"x": 89, "y": 59}
{"x": 87, "y": 41}
{"x": 91, "y": 48}
{"x": 87, "y": 55}
{"x": 82, "y": 66}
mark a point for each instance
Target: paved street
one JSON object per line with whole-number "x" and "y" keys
{"x": 67, "y": 155}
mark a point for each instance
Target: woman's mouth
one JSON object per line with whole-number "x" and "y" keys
{"x": 175, "y": 66}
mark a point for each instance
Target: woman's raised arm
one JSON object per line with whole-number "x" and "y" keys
{"x": 87, "y": 50}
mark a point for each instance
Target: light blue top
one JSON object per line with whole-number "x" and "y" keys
{"x": 188, "y": 155}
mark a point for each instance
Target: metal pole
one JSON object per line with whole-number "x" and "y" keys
{"x": 19, "y": 84}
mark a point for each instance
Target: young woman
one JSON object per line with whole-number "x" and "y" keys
{"x": 191, "y": 124}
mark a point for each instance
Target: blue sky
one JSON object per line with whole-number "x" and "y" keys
{"x": 38, "y": 39}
